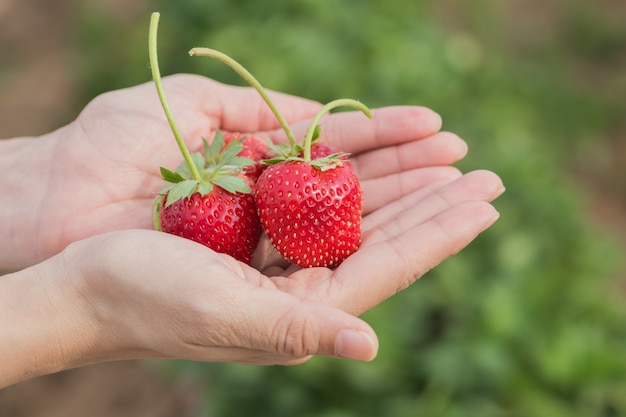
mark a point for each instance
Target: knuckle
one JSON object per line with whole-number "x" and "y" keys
{"x": 296, "y": 335}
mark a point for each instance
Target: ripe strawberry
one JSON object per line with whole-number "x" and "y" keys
{"x": 253, "y": 148}
{"x": 219, "y": 211}
{"x": 209, "y": 200}
{"x": 310, "y": 205}
{"x": 311, "y": 215}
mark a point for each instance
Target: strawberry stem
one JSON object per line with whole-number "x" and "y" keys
{"x": 156, "y": 75}
{"x": 308, "y": 138}
{"x": 250, "y": 79}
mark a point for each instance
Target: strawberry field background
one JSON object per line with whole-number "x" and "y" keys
{"x": 529, "y": 320}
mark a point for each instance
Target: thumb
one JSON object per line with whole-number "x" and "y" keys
{"x": 294, "y": 328}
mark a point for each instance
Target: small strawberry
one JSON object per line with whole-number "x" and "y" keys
{"x": 310, "y": 208}
{"x": 253, "y": 148}
{"x": 218, "y": 211}
{"x": 209, "y": 200}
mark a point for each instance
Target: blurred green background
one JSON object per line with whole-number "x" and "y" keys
{"x": 529, "y": 320}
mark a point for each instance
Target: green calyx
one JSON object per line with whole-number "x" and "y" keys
{"x": 217, "y": 165}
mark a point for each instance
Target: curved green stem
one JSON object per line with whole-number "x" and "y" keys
{"x": 308, "y": 139}
{"x": 249, "y": 78}
{"x": 156, "y": 75}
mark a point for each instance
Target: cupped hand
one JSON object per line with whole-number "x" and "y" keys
{"x": 163, "y": 296}
{"x": 103, "y": 169}
{"x": 147, "y": 294}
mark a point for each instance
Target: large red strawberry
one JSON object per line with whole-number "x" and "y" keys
{"x": 311, "y": 211}
{"x": 310, "y": 205}
{"x": 209, "y": 199}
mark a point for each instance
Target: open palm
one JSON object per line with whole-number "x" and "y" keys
{"x": 106, "y": 170}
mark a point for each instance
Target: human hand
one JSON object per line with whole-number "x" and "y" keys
{"x": 101, "y": 172}
{"x": 146, "y": 294}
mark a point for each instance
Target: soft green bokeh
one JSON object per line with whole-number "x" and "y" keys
{"x": 527, "y": 321}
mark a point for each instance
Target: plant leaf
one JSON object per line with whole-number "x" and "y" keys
{"x": 242, "y": 161}
{"x": 229, "y": 153}
{"x": 171, "y": 176}
{"x": 181, "y": 190}
{"x": 205, "y": 188}
{"x": 217, "y": 144}
{"x": 317, "y": 132}
{"x": 183, "y": 170}
{"x": 156, "y": 212}
{"x": 233, "y": 184}
{"x": 198, "y": 160}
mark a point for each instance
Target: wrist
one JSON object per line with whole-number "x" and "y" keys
{"x": 53, "y": 319}
{"x": 24, "y": 163}
{"x": 43, "y": 327}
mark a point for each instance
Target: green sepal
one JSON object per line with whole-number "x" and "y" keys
{"x": 317, "y": 132}
{"x": 156, "y": 213}
{"x": 233, "y": 184}
{"x": 242, "y": 161}
{"x": 273, "y": 161}
{"x": 197, "y": 159}
{"x": 329, "y": 162}
{"x": 283, "y": 151}
{"x": 180, "y": 190}
{"x": 218, "y": 155}
{"x": 205, "y": 188}
{"x": 171, "y": 176}
{"x": 217, "y": 144}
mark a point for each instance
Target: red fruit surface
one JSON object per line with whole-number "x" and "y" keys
{"x": 321, "y": 150}
{"x": 223, "y": 221}
{"x": 254, "y": 148}
{"x": 312, "y": 217}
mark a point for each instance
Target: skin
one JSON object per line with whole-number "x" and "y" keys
{"x": 89, "y": 283}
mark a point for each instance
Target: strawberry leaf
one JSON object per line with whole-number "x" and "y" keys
{"x": 198, "y": 160}
{"x": 205, "y": 188}
{"x": 242, "y": 161}
{"x": 217, "y": 144}
{"x": 230, "y": 152}
{"x": 170, "y": 176}
{"x": 233, "y": 184}
{"x": 181, "y": 190}
{"x": 316, "y": 133}
{"x": 329, "y": 162}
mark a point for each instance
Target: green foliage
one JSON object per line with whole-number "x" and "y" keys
{"x": 524, "y": 322}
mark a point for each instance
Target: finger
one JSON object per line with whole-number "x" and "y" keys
{"x": 244, "y": 110}
{"x": 287, "y": 328}
{"x": 240, "y": 109}
{"x": 376, "y": 272}
{"x": 352, "y": 132}
{"x": 443, "y": 148}
{"x": 421, "y": 205}
{"x": 379, "y": 192}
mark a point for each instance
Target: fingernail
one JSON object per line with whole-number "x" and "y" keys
{"x": 353, "y": 344}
